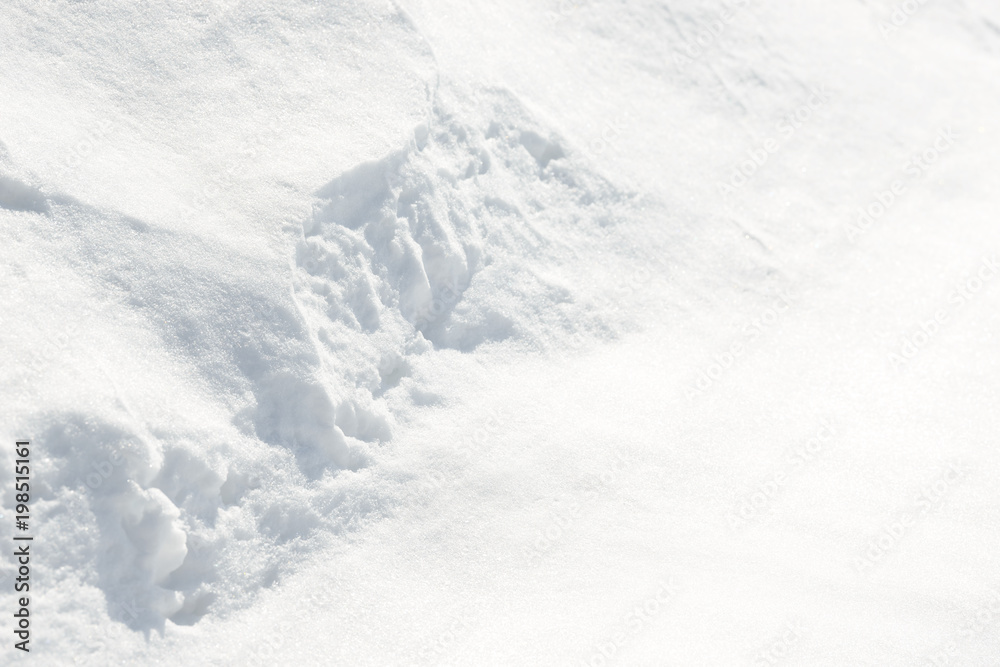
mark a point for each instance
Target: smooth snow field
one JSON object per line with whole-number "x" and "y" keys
{"x": 512, "y": 332}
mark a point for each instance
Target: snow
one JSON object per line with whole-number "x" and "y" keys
{"x": 579, "y": 332}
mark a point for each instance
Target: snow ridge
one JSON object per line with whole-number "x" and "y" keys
{"x": 466, "y": 236}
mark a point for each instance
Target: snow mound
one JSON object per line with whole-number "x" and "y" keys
{"x": 468, "y": 235}
{"x": 461, "y": 238}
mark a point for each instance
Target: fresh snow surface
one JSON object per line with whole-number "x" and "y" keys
{"x": 521, "y": 332}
